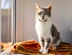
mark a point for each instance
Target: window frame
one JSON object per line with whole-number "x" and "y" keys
{"x": 13, "y": 22}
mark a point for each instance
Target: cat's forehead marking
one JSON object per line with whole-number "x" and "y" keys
{"x": 42, "y": 10}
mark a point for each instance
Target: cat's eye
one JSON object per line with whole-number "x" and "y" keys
{"x": 40, "y": 13}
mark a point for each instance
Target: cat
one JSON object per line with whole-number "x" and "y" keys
{"x": 48, "y": 34}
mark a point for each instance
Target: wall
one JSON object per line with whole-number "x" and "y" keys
{"x": 61, "y": 17}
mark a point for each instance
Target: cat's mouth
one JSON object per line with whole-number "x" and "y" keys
{"x": 43, "y": 20}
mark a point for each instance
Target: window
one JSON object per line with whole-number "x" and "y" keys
{"x": 5, "y": 20}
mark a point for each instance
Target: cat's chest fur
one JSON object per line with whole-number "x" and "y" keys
{"x": 43, "y": 28}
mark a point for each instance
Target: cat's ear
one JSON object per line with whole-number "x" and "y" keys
{"x": 49, "y": 7}
{"x": 37, "y": 7}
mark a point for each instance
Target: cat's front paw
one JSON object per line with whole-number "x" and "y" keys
{"x": 45, "y": 51}
{"x": 41, "y": 50}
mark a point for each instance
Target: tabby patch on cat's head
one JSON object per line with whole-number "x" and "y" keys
{"x": 43, "y": 13}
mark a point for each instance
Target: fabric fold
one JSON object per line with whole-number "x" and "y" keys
{"x": 30, "y": 46}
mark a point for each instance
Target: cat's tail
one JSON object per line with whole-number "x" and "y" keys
{"x": 65, "y": 43}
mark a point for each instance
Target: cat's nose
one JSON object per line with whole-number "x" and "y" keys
{"x": 42, "y": 17}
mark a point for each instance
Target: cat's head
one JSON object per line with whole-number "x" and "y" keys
{"x": 43, "y": 14}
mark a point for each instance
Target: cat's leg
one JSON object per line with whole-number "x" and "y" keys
{"x": 59, "y": 42}
{"x": 41, "y": 41}
{"x": 56, "y": 44}
{"x": 47, "y": 45}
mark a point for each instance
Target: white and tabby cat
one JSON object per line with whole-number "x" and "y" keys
{"x": 46, "y": 30}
